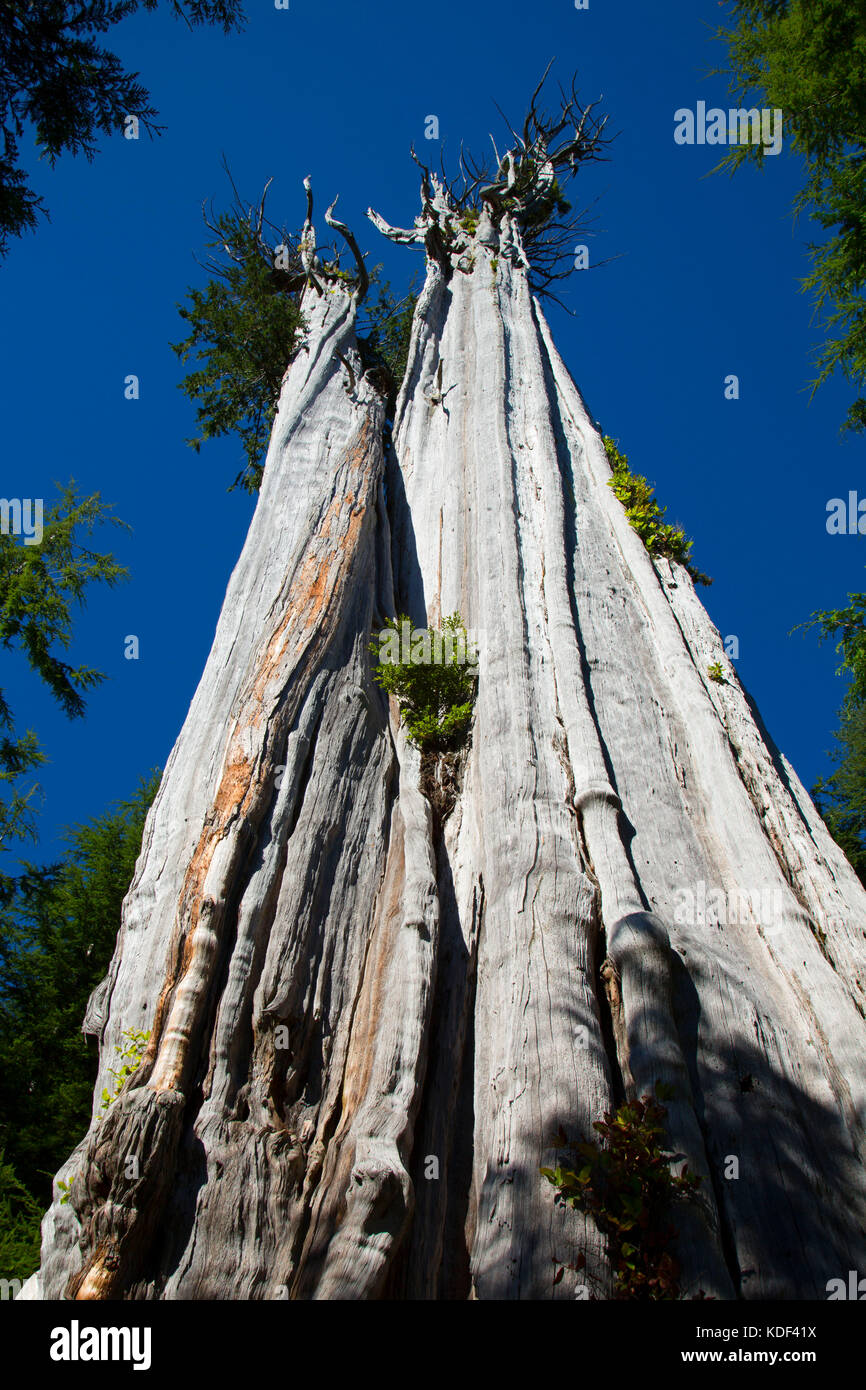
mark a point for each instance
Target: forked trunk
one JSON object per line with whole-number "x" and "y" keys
{"x": 367, "y": 1021}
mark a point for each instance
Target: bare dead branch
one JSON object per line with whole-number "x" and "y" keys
{"x": 530, "y": 117}
{"x": 363, "y": 281}
{"x": 261, "y": 212}
{"x": 405, "y": 236}
{"x": 526, "y": 187}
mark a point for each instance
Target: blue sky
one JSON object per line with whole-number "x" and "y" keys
{"x": 706, "y": 284}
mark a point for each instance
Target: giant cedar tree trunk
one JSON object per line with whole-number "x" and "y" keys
{"x": 343, "y": 983}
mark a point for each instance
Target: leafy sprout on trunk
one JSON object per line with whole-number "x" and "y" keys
{"x": 626, "y": 1184}
{"x": 646, "y": 516}
{"x": 433, "y": 673}
{"x": 130, "y": 1052}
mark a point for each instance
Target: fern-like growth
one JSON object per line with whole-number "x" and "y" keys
{"x": 646, "y": 516}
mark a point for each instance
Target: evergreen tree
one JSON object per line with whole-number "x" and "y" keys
{"x": 20, "y": 1218}
{"x": 841, "y": 797}
{"x": 56, "y": 78}
{"x": 246, "y": 326}
{"x": 58, "y": 927}
{"x": 808, "y": 59}
{"x": 39, "y": 585}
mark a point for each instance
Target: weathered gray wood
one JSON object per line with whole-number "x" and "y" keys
{"x": 365, "y": 1032}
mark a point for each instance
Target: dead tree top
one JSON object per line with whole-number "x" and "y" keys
{"x": 521, "y": 192}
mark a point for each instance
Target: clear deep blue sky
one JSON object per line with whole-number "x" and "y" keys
{"x": 707, "y": 284}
